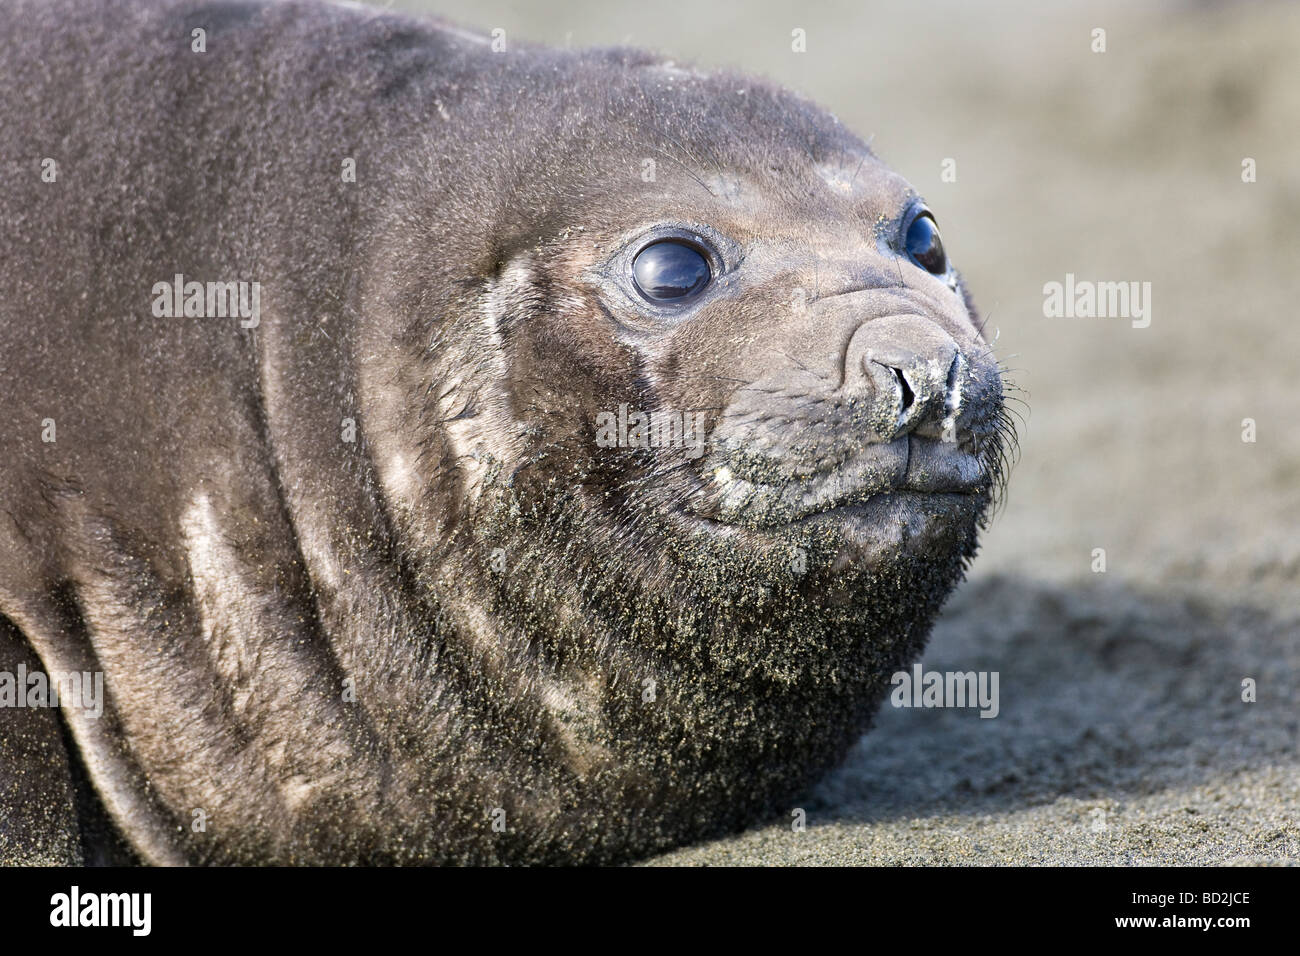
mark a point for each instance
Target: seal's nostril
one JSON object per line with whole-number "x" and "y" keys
{"x": 908, "y": 395}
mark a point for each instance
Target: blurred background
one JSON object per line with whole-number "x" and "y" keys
{"x": 1123, "y": 735}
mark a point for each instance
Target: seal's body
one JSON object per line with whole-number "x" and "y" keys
{"x": 334, "y": 351}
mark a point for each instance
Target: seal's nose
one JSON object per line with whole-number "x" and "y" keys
{"x": 912, "y": 370}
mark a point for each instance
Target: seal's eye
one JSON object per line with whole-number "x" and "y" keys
{"x": 924, "y": 245}
{"x": 670, "y": 271}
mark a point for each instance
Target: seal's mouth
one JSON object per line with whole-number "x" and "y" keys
{"x": 757, "y": 492}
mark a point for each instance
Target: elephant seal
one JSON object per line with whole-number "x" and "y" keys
{"x": 452, "y": 454}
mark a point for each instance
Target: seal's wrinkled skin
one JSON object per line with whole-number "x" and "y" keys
{"x": 473, "y": 634}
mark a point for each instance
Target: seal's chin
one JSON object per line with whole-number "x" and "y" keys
{"x": 910, "y": 476}
{"x": 931, "y": 524}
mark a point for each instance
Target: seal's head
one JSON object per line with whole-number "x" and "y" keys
{"x": 712, "y": 392}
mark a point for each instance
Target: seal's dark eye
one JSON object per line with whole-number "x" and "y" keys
{"x": 670, "y": 271}
{"x": 924, "y": 245}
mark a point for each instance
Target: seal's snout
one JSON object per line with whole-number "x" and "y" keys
{"x": 910, "y": 370}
